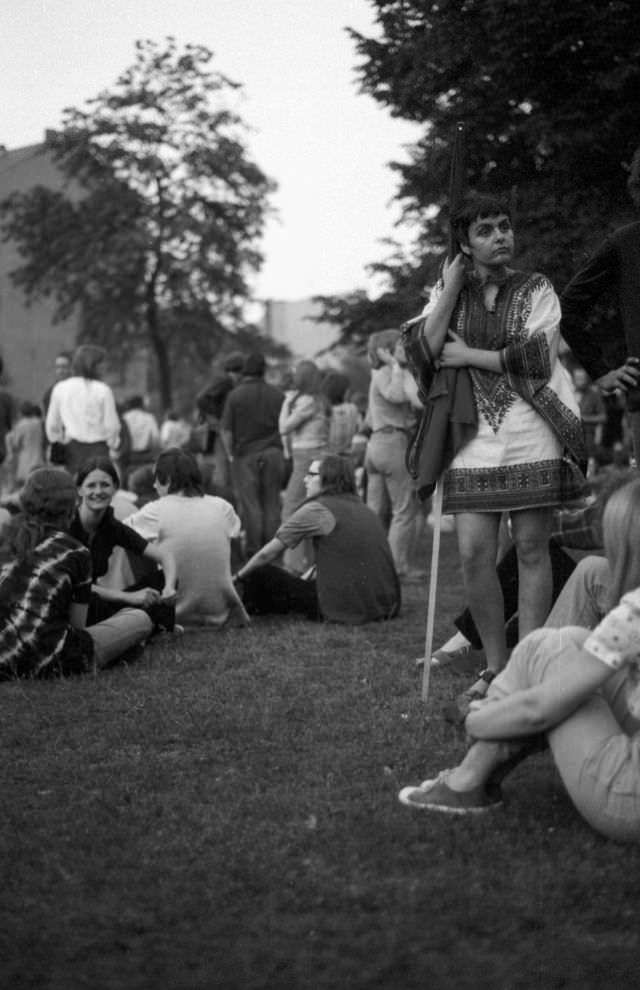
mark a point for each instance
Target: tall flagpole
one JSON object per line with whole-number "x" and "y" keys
{"x": 457, "y": 179}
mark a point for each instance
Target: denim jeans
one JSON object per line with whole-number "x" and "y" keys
{"x": 114, "y": 636}
{"x": 390, "y": 485}
{"x": 257, "y": 482}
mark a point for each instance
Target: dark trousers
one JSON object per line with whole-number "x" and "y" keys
{"x": 257, "y": 482}
{"x": 274, "y": 590}
{"x": 562, "y": 565}
{"x": 149, "y": 576}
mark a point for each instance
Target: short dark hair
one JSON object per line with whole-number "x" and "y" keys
{"x": 234, "y": 361}
{"x": 179, "y": 470}
{"x": 99, "y": 463}
{"x": 254, "y": 365}
{"x": 477, "y": 206}
{"x": 337, "y": 476}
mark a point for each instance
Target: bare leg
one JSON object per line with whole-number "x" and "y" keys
{"x": 477, "y": 542}
{"x": 531, "y": 534}
{"x": 479, "y": 763}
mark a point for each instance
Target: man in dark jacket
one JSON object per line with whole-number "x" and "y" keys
{"x": 613, "y": 267}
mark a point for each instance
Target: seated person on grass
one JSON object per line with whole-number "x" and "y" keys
{"x": 95, "y": 525}
{"x": 197, "y": 529}
{"x": 355, "y": 579}
{"x": 580, "y": 689}
{"x": 45, "y": 590}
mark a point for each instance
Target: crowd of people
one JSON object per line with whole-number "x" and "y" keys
{"x": 291, "y": 498}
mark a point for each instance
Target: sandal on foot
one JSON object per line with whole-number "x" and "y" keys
{"x": 465, "y": 660}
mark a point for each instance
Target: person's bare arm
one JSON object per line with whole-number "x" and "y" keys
{"x": 539, "y": 708}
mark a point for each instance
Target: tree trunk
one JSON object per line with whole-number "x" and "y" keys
{"x": 159, "y": 347}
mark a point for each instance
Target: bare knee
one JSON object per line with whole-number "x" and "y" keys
{"x": 532, "y": 552}
{"x": 477, "y": 559}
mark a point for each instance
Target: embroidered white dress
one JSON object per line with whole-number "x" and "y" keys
{"x": 528, "y": 415}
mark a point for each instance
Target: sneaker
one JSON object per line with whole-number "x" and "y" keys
{"x": 436, "y": 795}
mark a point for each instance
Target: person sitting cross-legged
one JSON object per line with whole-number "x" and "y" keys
{"x": 581, "y": 689}
{"x": 355, "y": 579}
{"x": 45, "y": 590}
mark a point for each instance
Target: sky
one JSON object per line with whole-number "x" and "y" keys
{"x": 325, "y": 144}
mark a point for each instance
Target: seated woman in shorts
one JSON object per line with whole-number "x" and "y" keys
{"x": 45, "y": 590}
{"x": 581, "y": 689}
{"x": 355, "y": 579}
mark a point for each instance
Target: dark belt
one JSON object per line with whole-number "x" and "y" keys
{"x": 391, "y": 429}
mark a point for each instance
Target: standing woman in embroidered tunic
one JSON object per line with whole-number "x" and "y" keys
{"x": 503, "y": 325}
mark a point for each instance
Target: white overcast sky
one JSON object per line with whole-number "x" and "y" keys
{"x": 325, "y": 144}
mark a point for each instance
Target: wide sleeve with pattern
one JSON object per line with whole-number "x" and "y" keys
{"x": 528, "y": 360}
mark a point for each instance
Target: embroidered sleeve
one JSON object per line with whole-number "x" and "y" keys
{"x": 527, "y": 359}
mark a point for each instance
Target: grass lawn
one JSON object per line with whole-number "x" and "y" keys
{"x": 224, "y": 816}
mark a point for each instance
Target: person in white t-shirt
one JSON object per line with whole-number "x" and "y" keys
{"x": 198, "y": 530}
{"x": 578, "y": 687}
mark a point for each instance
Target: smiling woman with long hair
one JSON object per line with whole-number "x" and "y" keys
{"x": 95, "y": 525}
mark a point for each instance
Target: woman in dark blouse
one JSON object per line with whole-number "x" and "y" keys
{"x": 95, "y": 525}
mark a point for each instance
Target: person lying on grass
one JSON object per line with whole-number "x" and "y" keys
{"x": 95, "y": 525}
{"x": 45, "y": 590}
{"x": 355, "y": 578}
{"x": 580, "y": 689}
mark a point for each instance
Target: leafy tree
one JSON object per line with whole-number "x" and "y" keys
{"x": 549, "y": 97}
{"x": 155, "y": 230}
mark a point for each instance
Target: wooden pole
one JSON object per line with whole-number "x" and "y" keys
{"x": 436, "y": 507}
{"x": 456, "y": 190}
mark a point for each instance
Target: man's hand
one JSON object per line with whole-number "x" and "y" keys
{"x": 620, "y": 379}
{"x": 143, "y": 598}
